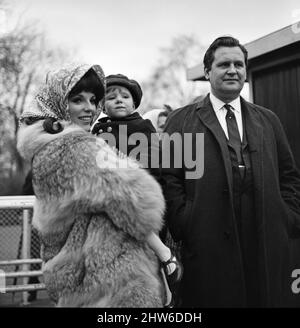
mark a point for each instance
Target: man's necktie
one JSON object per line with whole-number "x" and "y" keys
{"x": 233, "y": 132}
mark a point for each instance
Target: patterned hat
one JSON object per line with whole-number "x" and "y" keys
{"x": 52, "y": 98}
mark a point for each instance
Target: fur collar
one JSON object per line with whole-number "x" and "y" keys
{"x": 32, "y": 138}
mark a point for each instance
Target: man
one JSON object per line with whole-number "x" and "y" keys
{"x": 235, "y": 221}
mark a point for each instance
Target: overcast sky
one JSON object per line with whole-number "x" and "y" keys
{"x": 125, "y": 35}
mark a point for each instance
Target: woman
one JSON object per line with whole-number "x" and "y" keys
{"x": 93, "y": 217}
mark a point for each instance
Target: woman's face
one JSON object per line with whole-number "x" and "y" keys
{"x": 82, "y": 108}
{"x": 118, "y": 102}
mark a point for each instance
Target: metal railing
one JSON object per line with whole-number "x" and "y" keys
{"x": 25, "y": 203}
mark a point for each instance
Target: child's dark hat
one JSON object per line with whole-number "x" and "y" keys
{"x": 131, "y": 85}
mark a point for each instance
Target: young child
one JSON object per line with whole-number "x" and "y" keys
{"x": 122, "y": 98}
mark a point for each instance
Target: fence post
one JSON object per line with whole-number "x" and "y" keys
{"x": 26, "y": 249}
{"x": 2, "y": 281}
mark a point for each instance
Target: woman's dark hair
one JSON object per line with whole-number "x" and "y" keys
{"x": 50, "y": 127}
{"x": 30, "y": 120}
{"x": 48, "y": 124}
{"x": 89, "y": 83}
{"x": 223, "y": 41}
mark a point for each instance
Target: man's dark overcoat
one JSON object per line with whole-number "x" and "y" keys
{"x": 201, "y": 213}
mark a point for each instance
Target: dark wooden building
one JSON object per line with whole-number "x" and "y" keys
{"x": 274, "y": 76}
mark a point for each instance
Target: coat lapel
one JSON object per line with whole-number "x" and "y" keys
{"x": 209, "y": 119}
{"x": 254, "y": 132}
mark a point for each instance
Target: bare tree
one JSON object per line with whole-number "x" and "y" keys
{"x": 25, "y": 58}
{"x": 168, "y": 83}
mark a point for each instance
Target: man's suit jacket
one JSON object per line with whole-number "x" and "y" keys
{"x": 201, "y": 214}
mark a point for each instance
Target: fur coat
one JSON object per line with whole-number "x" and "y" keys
{"x": 93, "y": 219}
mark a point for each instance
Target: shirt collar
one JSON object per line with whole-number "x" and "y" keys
{"x": 219, "y": 104}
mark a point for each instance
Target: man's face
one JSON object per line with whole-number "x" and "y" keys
{"x": 228, "y": 73}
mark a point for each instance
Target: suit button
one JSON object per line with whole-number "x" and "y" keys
{"x": 109, "y": 129}
{"x": 227, "y": 234}
{"x": 100, "y": 131}
{"x": 108, "y": 121}
{"x": 225, "y": 191}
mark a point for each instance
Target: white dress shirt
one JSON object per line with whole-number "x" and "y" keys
{"x": 218, "y": 106}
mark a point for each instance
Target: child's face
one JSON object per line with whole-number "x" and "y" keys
{"x": 82, "y": 108}
{"x": 118, "y": 102}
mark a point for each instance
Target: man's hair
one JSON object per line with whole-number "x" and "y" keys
{"x": 223, "y": 41}
{"x": 88, "y": 83}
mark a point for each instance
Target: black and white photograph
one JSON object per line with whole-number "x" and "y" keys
{"x": 150, "y": 159}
